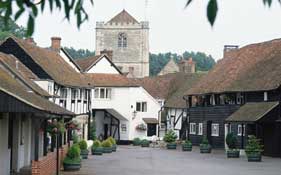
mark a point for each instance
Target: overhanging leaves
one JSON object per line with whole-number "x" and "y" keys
{"x": 212, "y": 10}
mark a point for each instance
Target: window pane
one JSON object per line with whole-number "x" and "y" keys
{"x": 102, "y": 93}
{"x": 144, "y": 107}
{"x": 96, "y": 93}
{"x": 138, "y": 107}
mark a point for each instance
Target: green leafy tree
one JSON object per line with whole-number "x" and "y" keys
{"x": 80, "y": 53}
{"x": 16, "y": 8}
{"x": 10, "y": 29}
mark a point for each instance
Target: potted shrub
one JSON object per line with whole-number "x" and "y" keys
{"x": 187, "y": 145}
{"x": 205, "y": 147}
{"x": 107, "y": 146}
{"x": 84, "y": 149}
{"x": 97, "y": 148}
{"x": 137, "y": 141}
{"x": 170, "y": 138}
{"x": 113, "y": 142}
{"x": 144, "y": 143}
{"x": 231, "y": 141}
{"x": 254, "y": 149}
{"x": 72, "y": 161}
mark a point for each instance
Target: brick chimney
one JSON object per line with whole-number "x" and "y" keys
{"x": 228, "y": 49}
{"x": 187, "y": 66}
{"x": 56, "y": 44}
{"x": 30, "y": 40}
{"x": 108, "y": 53}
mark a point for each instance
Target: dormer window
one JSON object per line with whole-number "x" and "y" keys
{"x": 122, "y": 40}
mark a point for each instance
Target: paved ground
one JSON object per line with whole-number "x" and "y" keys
{"x": 130, "y": 160}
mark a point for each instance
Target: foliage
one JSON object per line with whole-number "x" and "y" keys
{"x": 93, "y": 135}
{"x": 187, "y": 142}
{"x": 106, "y": 144}
{"x": 96, "y": 144}
{"x": 17, "y": 8}
{"x": 203, "y": 61}
{"x": 80, "y": 53}
{"x": 231, "y": 140}
{"x": 253, "y": 145}
{"x": 205, "y": 141}
{"x": 72, "y": 125}
{"x": 112, "y": 140}
{"x": 212, "y": 8}
{"x": 75, "y": 138}
{"x": 10, "y": 29}
{"x": 55, "y": 126}
{"x": 74, "y": 152}
{"x": 83, "y": 145}
{"x": 170, "y": 136}
{"x": 137, "y": 141}
{"x": 144, "y": 142}
{"x": 68, "y": 160}
{"x": 141, "y": 127}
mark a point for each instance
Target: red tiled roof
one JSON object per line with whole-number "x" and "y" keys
{"x": 86, "y": 63}
{"x": 110, "y": 80}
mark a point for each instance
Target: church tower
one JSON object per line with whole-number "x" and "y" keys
{"x": 128, "y": 39}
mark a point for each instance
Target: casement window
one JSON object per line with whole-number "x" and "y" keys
{"x": 74, "y": 94}
{"x": 122, "y": 40}
{"x": 239, "y": 130}
{"x": 123, "y": 127}
{"x": 63, "y": 93}
{"x": 265, "y": 96}
{"x": 200, "y": 129}
{"x": 215, "y": 129}
{"x": 80, "y": 93}
{"x": 50, "y": 88}
{"x": 141, "y": 107}
{"x": 103, "y": 93}
{"x": 240, "y": 98}
{"x": 192, "y": 128}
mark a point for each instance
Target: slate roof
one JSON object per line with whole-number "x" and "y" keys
{"x": 53, "y": 64}
{"x": 21, "y": 71}
{"x": 123, "y": 17}
{"x": 12, "y": 87}
{"x": 256, "y": 67}
{"x": 252, "y": 112}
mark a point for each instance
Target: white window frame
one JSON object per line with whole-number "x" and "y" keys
{"x": 192, "y": 128}
{"x": 106, "y": 93}
{"x": 200, "y": 128}
{"x": 239, "y": 130}
{"x": 215, "y": 132}
{"x": 143, "y": 108}
{"x": 265, "y": 96}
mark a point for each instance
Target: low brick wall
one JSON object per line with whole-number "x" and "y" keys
{"x": 47, "y": 165}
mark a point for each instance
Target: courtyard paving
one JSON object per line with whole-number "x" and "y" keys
{"x": 129, "y": 160}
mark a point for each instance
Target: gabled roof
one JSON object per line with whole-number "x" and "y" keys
{"x": 123, "y": 17}
{"x": 170, "y": 67}
{"x": 252, "y": 112}
{"x": 87, "y": 63}
{"x": 18, "y": 69}
{"x": 256, "y": 67}
{"x": 111, "y": 80}
{"x": 9, "y": 85}
{"x": 70, "y": 58}
{"x": 51, "y": 62}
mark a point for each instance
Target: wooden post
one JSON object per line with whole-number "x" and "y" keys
{"x": 58, "y": 155}
{"x": 45, "y": 138}
{"x": 89, "y": 126}
{"x": 242, "y": 137}
{"x": 36, "y": 141}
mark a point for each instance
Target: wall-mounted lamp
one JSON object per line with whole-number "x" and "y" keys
{"x": 134, "y": 114}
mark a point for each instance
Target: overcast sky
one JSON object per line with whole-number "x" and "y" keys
{"x": 172, "y": 28}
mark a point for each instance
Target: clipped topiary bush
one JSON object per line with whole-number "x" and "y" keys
{"x": 106, "y": 144}
{"x": 97, "y": 148}
{"x": 72, "y": 160}
{"x": 137, "y": 141}
{"x": 145, "y": 143}
{"x": 96, "y": 144}
{"x": 73, "y": 152}
{"x": 231, "y": 140}
{"x": 170, "y": 136}
{"x": 112, "y": 140}
{"x": 83, "y": 145}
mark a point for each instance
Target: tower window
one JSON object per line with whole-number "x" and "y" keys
{"x": 122, "y": 40}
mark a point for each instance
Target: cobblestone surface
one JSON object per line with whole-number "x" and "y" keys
{"x": 130, "y": 160}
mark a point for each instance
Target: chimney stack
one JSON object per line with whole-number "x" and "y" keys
{"x": 229, "y": 48}
{"x": 56, "y": 44}
{"x": 108, "y": 53}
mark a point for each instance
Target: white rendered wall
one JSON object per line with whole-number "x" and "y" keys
{"x": 4, "y": 151}
{"x": 170, "y": 125}
{"x": 104, "y": 67}
{"x": 44, "y": 84}
{"x": 66, "y": 59}
{"x": 123, "y": 100}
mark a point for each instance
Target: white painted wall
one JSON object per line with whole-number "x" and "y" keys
{"x": 123, "y": 100}
{"x": 4, "y": 151}
{"x": 47, "y": 85}
{"x": 103, "y": 66}
{"x": 66, "y": 59}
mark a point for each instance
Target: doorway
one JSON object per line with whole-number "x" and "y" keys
{"x": 151, "y": 130}
{"x": 105, "y": 131}
{"x": 209, "y": 131}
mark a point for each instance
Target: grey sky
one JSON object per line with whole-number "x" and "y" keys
{"x": 172, "y": 28}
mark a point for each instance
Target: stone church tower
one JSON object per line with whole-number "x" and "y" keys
{"x": 128, "y": 39}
